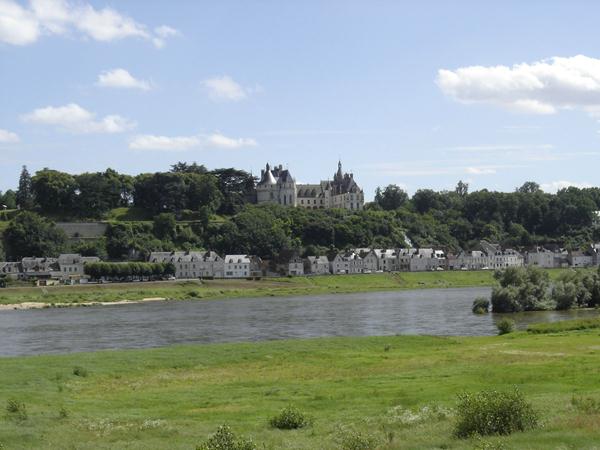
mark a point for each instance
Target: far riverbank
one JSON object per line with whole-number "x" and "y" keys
{"x": 122, "y": 293}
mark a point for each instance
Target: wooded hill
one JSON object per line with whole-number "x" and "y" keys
{"x": 191, "y": 207}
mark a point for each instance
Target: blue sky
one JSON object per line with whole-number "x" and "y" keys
{"x": 419, "y": 94}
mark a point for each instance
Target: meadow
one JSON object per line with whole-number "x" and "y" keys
{"x": 400, "y": 392}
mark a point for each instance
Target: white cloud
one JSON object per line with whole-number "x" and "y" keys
{"x": 542, "y": 87}
{"x": 18, "y": 26}
{"x": 554, "y": 186}
{"x": 480, "y": 170}
{"x": 22, "y": 26}
{"x": 217, "y": 140}
{"x": 120, "y": 78}
{"x": 8, "y": 137}
{"x": 151, "y": 142}
{"x": 500, "y": 148}
{"x": 181, "y": 143}
{"x": 75, "y": 119}
{"x": 224, "y": 88}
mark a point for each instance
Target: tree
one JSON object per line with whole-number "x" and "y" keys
{"x": 182, "y": 167}
{"x": 237, "y": 189}
{"x": 529, "y": 187}
{"x": 8, "y": 200}
{"x": 29, "y": 234}
{"x": 98, "y": 193}
{"x": 392, "y": 197}
{"x": 462, "y": 188}
{"x": 24, "y": 196}
{"x": 164, "y": 226}
{"x": 55, "y": 191}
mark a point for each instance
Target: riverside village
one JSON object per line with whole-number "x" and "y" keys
{"x": 278, "y": 186}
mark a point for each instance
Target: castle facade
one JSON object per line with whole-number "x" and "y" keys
{"x": 277, "y": 185}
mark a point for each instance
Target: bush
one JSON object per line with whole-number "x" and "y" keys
{"x": 587, "y": 405}
{"x": 505, "y": 326}
{"x": 225, "y": 439}
{"x": 492, "y": 412}
{"x": 79, "y": 371}
{"x": 16, "y": 409}
{"x": 355, "y": 440}
{"x": 481, "y": 305}
{"x": 289, "y": 418}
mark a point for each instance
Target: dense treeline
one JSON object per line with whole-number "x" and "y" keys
{"x": 530, "y": 289}
{"x": 188, "y": 187}
{"x": 191, "y": 207}
{"x": 128, "y": 271}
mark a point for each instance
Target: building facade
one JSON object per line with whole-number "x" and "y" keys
{"x": 278, "y": 186}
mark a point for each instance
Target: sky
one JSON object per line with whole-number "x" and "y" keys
{"x": 418, "y": 94}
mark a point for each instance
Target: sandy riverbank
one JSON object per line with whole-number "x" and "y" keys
{"x": 41, "y": 305}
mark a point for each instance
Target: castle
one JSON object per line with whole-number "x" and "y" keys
{"x": 277, "y": 185}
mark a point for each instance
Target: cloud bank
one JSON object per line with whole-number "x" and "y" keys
{"x": 542, "y": 87}
{"x": 182, "y": 143}
{"x": 75, "y": 119}
{"x": 23, "y": 26}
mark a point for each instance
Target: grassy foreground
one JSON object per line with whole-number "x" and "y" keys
{"x": 401, "y": 390}
{"x": 243, "y": 288}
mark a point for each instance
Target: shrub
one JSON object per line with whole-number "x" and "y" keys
{"x": 225, "y": 439}
{"x": 79, "y": 371}
{"x": 290, "y": 418}
{"x": 505, "y": 326}
{"x": 493, "y": 412}
{"x": 63, "y": 413}
{"x": 16, "y": 409}
{"x": 481, "y": 305}
{"x": 355, "y": 440}
{"x": 587, "y": 405}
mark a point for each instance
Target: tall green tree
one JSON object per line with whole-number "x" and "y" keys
{"x": 29, "y": 234}
{"x": 55, "y": 191}
{"x": 24, "y": 198}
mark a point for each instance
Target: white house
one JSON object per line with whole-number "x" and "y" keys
{"x": 540, "y": 257}
{"x": 71, "y": 265}
{"x": 317, "y": 265}
{"x": 295, "y": 266}
{"x": 580, "y": 259}
{"x": 241, "y": 266}
{"x": 348, "y": 262}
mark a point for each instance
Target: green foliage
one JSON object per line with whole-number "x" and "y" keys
{"x": 521, "y": 290}
{"x": 505, "y": 326}
{"x": 128, "y": 270}
{"x": 79, "y": 371}
{"x": 390, "y": 198}
{"x": 492, "y": 412}
{"x": 54, "y": 191}
{"x": 164, "y": 226}
{"x": 481, "y": 305}
{"x": 586, "y": 405}
{"x": 289, "y": 418}
{"x": 356, "y": 440}
{"x": 29, "y": 234}
{"x": 225, "y": 439}
{"x": 563, "y": 325}
{"x": 16, "y": 409}
{"x": 24, "y": 197}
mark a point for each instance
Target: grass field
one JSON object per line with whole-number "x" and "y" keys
{"x": 209, "y": 289}
{"x": 401, "y": 390}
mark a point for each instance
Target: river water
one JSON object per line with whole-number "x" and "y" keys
{"x": 158, "y": 324}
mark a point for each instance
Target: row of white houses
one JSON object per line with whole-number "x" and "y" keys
{"x": 68, "y": 267}
{"x": 208, "y": 264}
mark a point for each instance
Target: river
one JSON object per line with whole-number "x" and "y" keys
{"x": 158, "y": 324}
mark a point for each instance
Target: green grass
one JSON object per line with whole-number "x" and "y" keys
{"x": 212, "y": 289}
{"x": 401, "y": 390}
{"x": 564, "y": 325}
